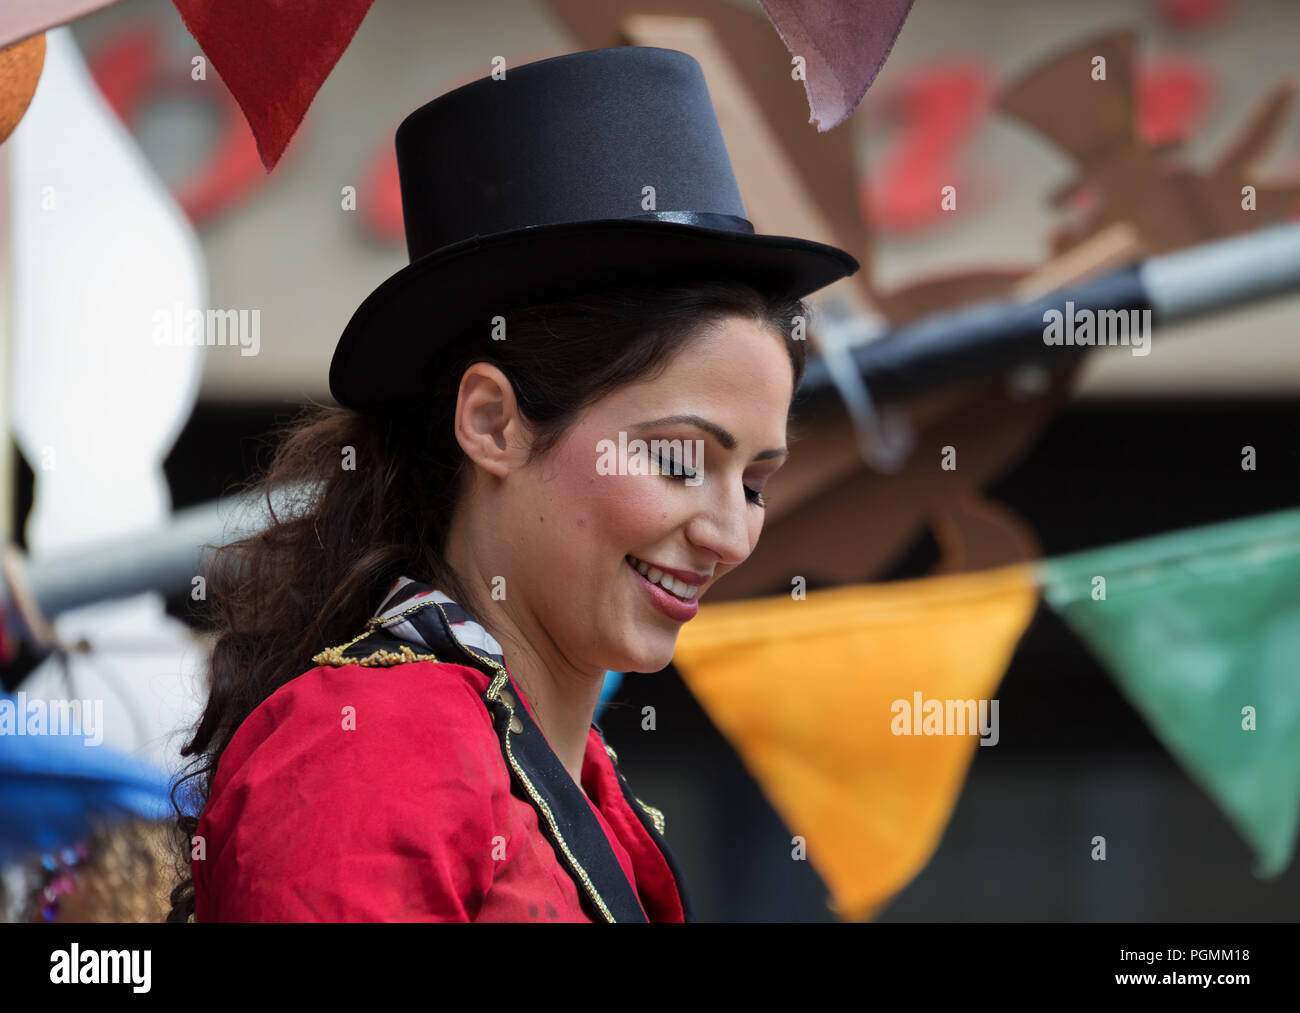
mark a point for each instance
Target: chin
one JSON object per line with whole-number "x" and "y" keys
{"x": 649, "y": 661}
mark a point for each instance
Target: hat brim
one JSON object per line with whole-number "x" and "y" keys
{"x": 404, "y": 322}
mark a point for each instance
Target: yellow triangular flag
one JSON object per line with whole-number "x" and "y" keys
{"x": 813, "y": 693}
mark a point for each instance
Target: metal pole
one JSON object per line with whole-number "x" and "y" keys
{"x": 946, "y": 348}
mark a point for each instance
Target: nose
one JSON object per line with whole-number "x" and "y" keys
{"x": 722, "y": 527}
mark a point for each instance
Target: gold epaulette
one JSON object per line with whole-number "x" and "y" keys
{"x": 379, "y": 657}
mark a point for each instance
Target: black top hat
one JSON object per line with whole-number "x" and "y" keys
{"x": 535, "y": 186}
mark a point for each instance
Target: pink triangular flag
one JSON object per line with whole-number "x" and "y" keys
{"x": 844, "y": 44}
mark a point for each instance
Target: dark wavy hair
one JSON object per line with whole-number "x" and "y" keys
{"x": 313, "y": 575}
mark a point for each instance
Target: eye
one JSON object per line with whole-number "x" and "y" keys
{"x": 669, "y": 468}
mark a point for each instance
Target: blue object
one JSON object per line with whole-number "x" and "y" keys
{"x": 55, "y": 788}
{"x": 612, "y": 681}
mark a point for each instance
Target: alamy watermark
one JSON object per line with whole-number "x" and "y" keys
{"x": 192, "y": 326}
{"x": 52, "y": 717}
{"x": 1098, "y": 327}
{"x": 652, "y": 457}
{"x": 946, "y": 717}
{"x": 75, "y": 966}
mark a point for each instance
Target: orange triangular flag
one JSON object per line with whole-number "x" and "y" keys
{"x": 830, "y": 702}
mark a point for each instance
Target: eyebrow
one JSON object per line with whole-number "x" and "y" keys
{"x": 721, "y": 435}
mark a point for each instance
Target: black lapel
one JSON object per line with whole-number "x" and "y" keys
{"x": 688, "y": 909}
{"x": 575, "y": 826}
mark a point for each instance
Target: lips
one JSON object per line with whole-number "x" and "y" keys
{"x": 677, "y": 609}
{"x": 683, "y": 584}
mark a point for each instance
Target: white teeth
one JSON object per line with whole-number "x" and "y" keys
{"x": 664, "y": 580}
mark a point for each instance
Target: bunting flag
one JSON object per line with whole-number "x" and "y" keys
{"x": 1201, "y": 631}
{"x": 273, "y": 55}
{"x": 831, "y": 701}
{"x": 20, "y": 69}
{"x": 842, "y": 44}
{"x": 22, "y": 19}
{"x": 840, "y": 704}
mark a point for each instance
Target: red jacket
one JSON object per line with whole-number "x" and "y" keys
{"x": 379, "y": 788}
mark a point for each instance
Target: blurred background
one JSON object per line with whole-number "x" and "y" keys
{"x": 1116, "y": 447}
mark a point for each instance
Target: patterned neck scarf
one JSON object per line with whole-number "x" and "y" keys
{"x": 407, "y": 592}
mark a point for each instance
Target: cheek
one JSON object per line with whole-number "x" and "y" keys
{"x": 623, "y": 511}
{"x": 591, "y": 517}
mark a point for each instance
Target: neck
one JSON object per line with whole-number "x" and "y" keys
{"x": 563, "y": 706}
{"x": 561, "y": 696}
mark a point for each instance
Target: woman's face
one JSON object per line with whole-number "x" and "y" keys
{"x": 573, "y": 524}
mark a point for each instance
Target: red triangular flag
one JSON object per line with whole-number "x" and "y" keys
{"x": 273, "y": 56}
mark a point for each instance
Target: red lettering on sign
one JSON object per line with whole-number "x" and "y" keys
{"x": 131, "y": 69}
{"x": 938, "y": 108}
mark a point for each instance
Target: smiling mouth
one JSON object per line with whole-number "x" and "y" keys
{"x": 677, "y": 588}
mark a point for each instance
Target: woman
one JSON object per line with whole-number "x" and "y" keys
{"x": 400, "y": 724}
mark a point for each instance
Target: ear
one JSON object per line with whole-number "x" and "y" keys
{"x": 487, "y": 422}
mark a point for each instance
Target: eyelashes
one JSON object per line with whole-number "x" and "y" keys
{"x": 670, "y": 469}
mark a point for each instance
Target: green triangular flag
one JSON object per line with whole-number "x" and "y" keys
{"x": 1201, "y": 631}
